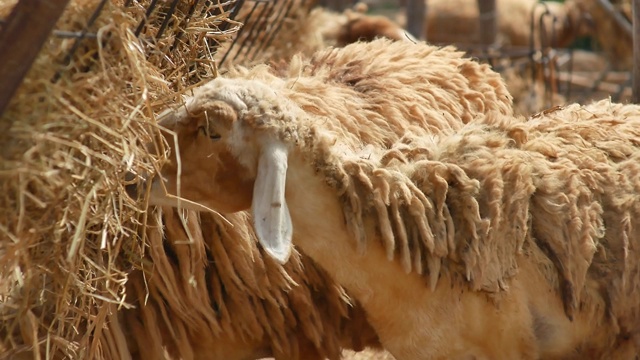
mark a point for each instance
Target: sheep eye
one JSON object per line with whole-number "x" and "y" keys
{"x": 205, "y": 132}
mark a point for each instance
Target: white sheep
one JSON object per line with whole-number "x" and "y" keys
{"x": 525, "y": 231}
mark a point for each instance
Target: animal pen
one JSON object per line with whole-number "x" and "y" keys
{"x": 83, "y": 84}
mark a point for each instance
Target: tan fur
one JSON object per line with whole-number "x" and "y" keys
{"x": 448, "y": 91}
{"x": 362, "y": 27}
{"x": 438, "y": 86}
{"x": 532, "y": 196}
{"x": 220, "y": 297}
{"x": 369, "y": 93}
{"x": 352, "y": 91}
{"x": 518, "y": 227}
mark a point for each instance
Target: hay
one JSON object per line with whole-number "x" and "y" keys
{"x": 68, "y": 236}
{"x": 234, "y": 301}
{"x": 289, "y": 29}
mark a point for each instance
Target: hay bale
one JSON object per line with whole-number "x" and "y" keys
{"x": 68, "y": 239}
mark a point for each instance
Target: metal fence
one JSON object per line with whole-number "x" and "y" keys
{"x": 259, "y": 22}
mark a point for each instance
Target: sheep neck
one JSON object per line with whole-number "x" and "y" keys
{"x": 395, "y": 302}
{"x": 320, "y": 231}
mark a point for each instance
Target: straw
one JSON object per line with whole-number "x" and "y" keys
{"x": 69, "y": 236}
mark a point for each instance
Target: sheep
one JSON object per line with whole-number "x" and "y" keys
{"x": 307, "y": 31}
{"x": 513, "y": 239}
{"x": 374, "y": 92}
{"x": 456, "y": 22}
{"x": 215, "y": 295}
{"x": 359, "y": 83}
{"x": 361, "y": 27}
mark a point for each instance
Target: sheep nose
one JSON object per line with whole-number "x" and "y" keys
{"x": 132, "y": 186}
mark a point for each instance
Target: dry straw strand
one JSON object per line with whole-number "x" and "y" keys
{"x": 69, "y": 237}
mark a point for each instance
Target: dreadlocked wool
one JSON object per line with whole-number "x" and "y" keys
{"x": 554, "y": 198}
{"x": 376, "y": 91}
{"x": 371, "y": 93}
{"x": 210, "y": 292}
{"x": 523, "y": 230}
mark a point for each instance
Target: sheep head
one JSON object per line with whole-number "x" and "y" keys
{"x": 220, "y": 158}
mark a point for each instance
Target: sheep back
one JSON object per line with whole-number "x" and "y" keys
{"x": 373, "y": 93}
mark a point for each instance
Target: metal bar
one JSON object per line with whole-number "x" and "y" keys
{"x": 22, "y": 36}
{"x": 234, "y": 12}
{"x": 570, "y": 71}
{"x": 63, "y": 33}
{"x": 237, "y": 5}
{"x": 239, "y": 33}
{"x": 252, "y": 51}
{"x": 282, "y": 14}
{"x": 214, "y": 11}
{"x": 76, "y": 44}
{"x": 548, "y": 58}
{"x": 635, "y": 97}
{"x": 185, "y": 23}
{"x": 532, "y": 38}
{"x": 146, "y": 17}
{"x": 167, "y": 18}
{"x": 255, "y": 31}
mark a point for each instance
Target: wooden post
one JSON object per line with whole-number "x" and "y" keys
{"x": 417, "y": 18}
{"x": 488, "y": 21}
{"x": 636, "y": 52}
{"x": 21, "y": 37}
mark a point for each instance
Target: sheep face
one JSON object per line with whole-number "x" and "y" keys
{"x": 201, "y": 168}
{"x": 217, "y": 160}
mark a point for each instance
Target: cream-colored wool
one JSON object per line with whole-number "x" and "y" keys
{"x": 528, "y": 226}
{"x": 395, "y": 86}
{"x": 369, "y": 93}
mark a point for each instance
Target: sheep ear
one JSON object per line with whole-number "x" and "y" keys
{"x": 270, "y": 213}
